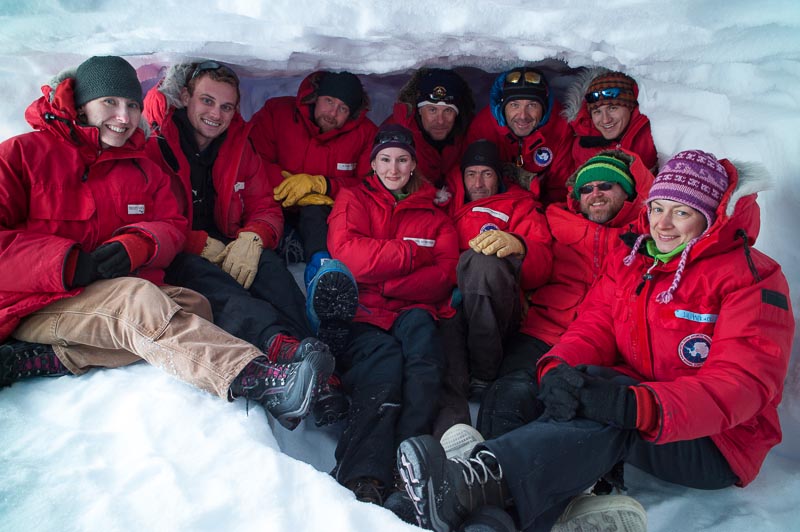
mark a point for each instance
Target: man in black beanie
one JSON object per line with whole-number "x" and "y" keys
{"x": 505, "y": 247}
{"x": 437, "y": 106}
{"x": 314, "y": 144}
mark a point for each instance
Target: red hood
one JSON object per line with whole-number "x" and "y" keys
{"x": 304, "y": 101}
{"x": 55, "y": 112}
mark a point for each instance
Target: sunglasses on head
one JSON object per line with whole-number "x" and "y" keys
{"x": 528, "y": 77}
{"x": 206, "y": 66}
{"x": 394, "y": 136}
{"x": 605, "y": 94}
{"x": 588, "y": 189}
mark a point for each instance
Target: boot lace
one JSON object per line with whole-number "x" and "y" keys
{"x": 477, "y": 472}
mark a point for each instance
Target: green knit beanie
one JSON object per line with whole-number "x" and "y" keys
{"x": 106, "y": 76}
{"x": 604, "y": 168}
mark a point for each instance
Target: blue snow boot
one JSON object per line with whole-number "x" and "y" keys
{"x": 331, "y": 304}
{"x": 313, "y": 265}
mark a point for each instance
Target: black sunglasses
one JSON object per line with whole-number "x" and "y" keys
{"x": 588, "y": 189}
{"x": 394, "y": 136}
{"x": 206, "y": 66}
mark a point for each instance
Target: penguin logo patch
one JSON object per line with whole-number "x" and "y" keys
{"x": 489, "y": 227}
{"x": 694, "y": 349}
{"x": 543, "y": 156}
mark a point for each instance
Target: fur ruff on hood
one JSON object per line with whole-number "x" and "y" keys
{"x": 466, "y": 109}
{"x": 574, "y": 97}
{"x": 70, "y": 73}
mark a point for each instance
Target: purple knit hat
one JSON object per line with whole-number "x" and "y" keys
{"x": 694, "y": 178}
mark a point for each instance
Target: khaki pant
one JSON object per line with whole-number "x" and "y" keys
{"x": 120, "y": 321}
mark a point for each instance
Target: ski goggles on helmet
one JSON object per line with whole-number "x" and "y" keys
{"x": 526, "y": 77}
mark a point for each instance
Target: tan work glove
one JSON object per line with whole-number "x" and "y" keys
{"x": 314, "y": 199}
{"x": 295, "y": 186}
{"x": 240, "y": 258}
{"x": 496, "y": 242}
{"x": 212, "y": 249}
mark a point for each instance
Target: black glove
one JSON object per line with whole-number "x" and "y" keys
{"x": 85, "y": 270}
{"x": 607, "y": 402}
{"x": 112, "y": 260}
{"x": 559, "y": 391}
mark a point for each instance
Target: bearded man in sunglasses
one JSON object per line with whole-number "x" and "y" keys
{"x": 602, "y": 109}
{"x": 605, "y": 197}
{"x": 523, "y": 119}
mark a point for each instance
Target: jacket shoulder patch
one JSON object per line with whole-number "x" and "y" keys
{"x": 776, "y": 299}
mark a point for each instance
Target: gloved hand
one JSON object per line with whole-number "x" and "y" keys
{"x": 112, "y": 260}
{"x": 559, "y": 390}
{"x": 607, "y": 402}
{"x": 212, "y": 250}
{"x": 85, "y": 270}
{"x": 314, "y": 199}
{"x": 496, "y": 242}
{"x": 295, "y": 186}
{"x": 240, "y": 258}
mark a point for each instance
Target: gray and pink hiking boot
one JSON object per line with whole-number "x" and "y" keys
{"x": 287, "y": 390}
{"x": 21, "y": 360}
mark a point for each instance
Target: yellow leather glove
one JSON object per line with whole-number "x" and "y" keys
{"x": 496, "y": 242}
{"x": 240, "y": 258}
{"x": 295, "y": 186}
{"x": 314, "y": 199}
{"x": 212, "y": 249}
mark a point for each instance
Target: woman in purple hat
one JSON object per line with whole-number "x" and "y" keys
{"x": 675, "y": 364}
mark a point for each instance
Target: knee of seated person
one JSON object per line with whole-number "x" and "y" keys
{"x": 480, "y": 269}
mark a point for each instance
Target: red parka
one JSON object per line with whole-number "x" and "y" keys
{"x": 713, "y": 360}
{"x": 60, "y": 191}
{"x": 546, "y": 152}
{"x": 579, "y": 249}
{"x": 587, "y": 141}
{"x": 244, "y": 199}
{"x": 285, "y": 135}
{"x": 512, "y": 210}
{"x": 403, "y": 254}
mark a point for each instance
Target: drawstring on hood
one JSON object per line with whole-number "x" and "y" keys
{"x": 741, "y": 233}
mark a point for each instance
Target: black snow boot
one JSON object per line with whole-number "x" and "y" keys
{"x": 20, "y": 360}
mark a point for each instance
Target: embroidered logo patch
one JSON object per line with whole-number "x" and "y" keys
{"x": 135, "y": 209}
{"x": 543, "y": 156}
{"x": 345, "y": 167}
{"x": 694, "y": 349}
{"x": 489, "y": 227}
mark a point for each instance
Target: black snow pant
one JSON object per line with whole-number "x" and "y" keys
{"x": 547, "y": 463}
{"x": 311, "y": 223}
{"x": 510, "y": 402}
{"x": 393, "y": 379}
{"x": 474, "y": 338}
{"x": 273, "y": 304}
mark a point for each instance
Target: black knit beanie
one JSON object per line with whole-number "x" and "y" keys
{"x": 482, "y": 153}
{"x": 342, "y": 85}
{"x": 106, "y": 76}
